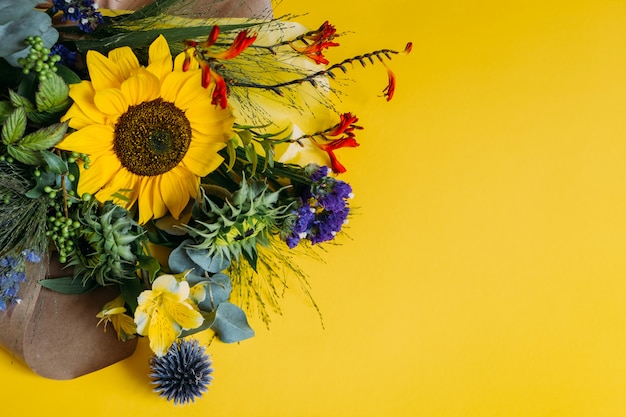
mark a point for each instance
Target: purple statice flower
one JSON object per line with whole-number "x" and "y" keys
{"x": 183, "y": 373}
{"x": 323, "y": 208}
{"x": 83, "y": 12}
{"x": 11, "y": 275}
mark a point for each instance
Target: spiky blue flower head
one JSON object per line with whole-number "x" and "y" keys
{"x": 183, "y": 373}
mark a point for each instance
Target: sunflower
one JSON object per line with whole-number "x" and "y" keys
{"x": 150, "y": 132}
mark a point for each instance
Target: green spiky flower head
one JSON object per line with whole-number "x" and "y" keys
{"x": 235, "y": 227}
{"x": 107, "y": 245}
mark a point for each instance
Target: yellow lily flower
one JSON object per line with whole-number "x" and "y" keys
{"x": 165, "y": 311}
{"x": 115, "y": 313}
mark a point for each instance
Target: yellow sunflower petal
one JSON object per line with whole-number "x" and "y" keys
{"x": 173, "y": 84}
{"x": 196, "y": 159}
{"x": 125, "y": 61}
{"x": 150, "y": 204}
{"x": 143, "y": 86}
{"x": 92, "y": 140}
{"x": 180, "y": 59}
{"x": 162, "y": 332}
{"x": 102, "y": 71}
{"x": 172, "y": 184}
{"x": 122, "y": 182}
{"x": 111, "y": 101}
{"x": 91, "y": 179}
{"x": 159, "y": 58}
{"x": 83, "y": 112}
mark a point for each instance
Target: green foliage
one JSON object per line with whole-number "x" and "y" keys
{"x": 68, "y": 285}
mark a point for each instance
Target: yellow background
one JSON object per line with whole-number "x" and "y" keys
{"x": 485, "y": 272}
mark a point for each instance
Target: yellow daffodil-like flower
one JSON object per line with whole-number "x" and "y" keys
{"x": 115, "y": 313}
{"x": 150, "y": 132}
{"x": 165, "y": 311}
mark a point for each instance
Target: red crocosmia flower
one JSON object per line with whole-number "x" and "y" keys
{"x": 391, "y": 86}
{"x": 241, "y": 42}
{"x": 315, "y": 42}
{"x": 345, "y": 126}
{"x": 220, "y": 92}
{"x": 347, "y": 142}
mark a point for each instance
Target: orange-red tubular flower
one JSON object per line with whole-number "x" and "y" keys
{"x": 315, "y": 42}
{"x": 220, "y": 92}
{"x": 347, "y": 142}
{"x": 391, "y": 86}
{"x": 345, "y": 126}
{"x": 241, "y": 42}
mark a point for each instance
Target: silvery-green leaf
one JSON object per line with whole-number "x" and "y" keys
{"x": 210, "y": 264}
{"x": 13, "y": 33}
{"x": 231, "y": 324}
{"x": 13, "y": 9}
{"x": 218, "y": 289}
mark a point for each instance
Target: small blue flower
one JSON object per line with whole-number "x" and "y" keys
{"x": 31, "y": 256}
{"x": 183, "y": 373}
{"x": 83, "y": 12}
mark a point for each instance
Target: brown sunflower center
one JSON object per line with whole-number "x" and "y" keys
{"x": 151, "y": 138}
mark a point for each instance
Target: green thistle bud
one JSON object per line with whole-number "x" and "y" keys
{"x": 107, "y": 243}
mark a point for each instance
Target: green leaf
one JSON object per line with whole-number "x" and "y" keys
{"x": 68, "y": 285}
{"x": 149, "y": 264}
{"x": 246, "y": 136}
{"x": 69, "y": 76}
{"x": 14, "y": 126}
{"x": 209, "y": 319}
{"x": 44, "y": 138}
{"x": 231, "y": 324}
{"x": 252, "y": 157}
{"x": 232, "y": 154}
{"x": 55, "y": 163}
{"x": 130, "y": 290}
{"x": 53, "y": 94}
{"x": 19, "y": 101}
{"x": 6, "y": 108}
{"x": 25, "y": 156}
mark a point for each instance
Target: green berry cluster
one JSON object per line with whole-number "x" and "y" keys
{"x": 39, "y": 58}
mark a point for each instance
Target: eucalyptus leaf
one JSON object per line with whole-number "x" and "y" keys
{"x": 68, "y": 285}
{"x": 210, "y": 264}
{"x": 209, "y": 318}
{"x": 14, "y": 126}
{"x": 46, "y": 178}
{"x": 218, "y": 289}
{"x": 231, "y": 324}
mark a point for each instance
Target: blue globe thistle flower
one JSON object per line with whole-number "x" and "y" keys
{"x": 183, "y": 373}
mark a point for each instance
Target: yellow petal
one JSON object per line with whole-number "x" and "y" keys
{"x": 173, "y": 84}
{"x": 124, "y": 327}
{"x": 111, "y": 101}
{"x": 184, "y": 315}
{"x": 196, "y": 159}
{"x": 83, "y": 112}
{"x": 92, "y": 140}
{"x": 159, "y": 58}
{"x": 198, "y": 293}
{"x": 143, "y": 86}
{"x": 168, "y": 284}
{"x": 162, "y": 332}
{"x": 125, "y": 61}
{"x": 100, "y": 172}
{"x": 102, "y": 71}
{"x": 120, "y": 181}
{"x": 180, "y": 59}
{"x": 171, "y": 186}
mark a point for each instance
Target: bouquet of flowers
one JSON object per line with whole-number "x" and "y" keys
{"x": 178, "y": 158}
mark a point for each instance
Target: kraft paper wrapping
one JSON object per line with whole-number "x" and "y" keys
{"x": 56, "y": 335}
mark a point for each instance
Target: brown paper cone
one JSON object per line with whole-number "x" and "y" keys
{"x": 56, "y": 335}
{"x": 261, "y": 9}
